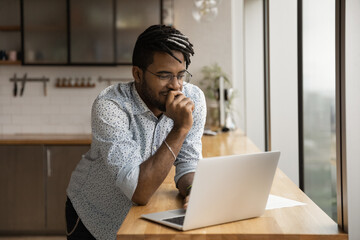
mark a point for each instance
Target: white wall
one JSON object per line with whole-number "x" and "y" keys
{"x": 237, "y": 30}
{"x": 283, "y": 84}
{"x": 211, "y": 40}
{"x": 352, "y": 89}
{"x": 254, "y": 72}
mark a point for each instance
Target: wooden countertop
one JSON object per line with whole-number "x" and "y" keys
{"x": 306, "y": 222}
{"x": 49, "y": 139}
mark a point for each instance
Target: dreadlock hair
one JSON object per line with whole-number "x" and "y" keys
{"x": 160, "y": 38}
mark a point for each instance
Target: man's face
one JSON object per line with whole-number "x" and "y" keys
{"x": 154, "y": 91}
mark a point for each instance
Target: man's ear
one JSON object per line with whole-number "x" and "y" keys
{"x": 137, "y": 73}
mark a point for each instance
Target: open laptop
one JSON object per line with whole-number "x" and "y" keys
{"x": 225, "y": 189}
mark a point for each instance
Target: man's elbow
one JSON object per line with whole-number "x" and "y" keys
{"x": 140, "y": 200}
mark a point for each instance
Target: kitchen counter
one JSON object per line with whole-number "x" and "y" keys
{"x": 49, "y": 139}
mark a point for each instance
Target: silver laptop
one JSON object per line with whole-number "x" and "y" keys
{"x": 225, "y": 189}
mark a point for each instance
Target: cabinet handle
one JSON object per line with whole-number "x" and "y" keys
{"x": 48, "y": 159}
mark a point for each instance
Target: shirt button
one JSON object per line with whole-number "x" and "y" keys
{"x": 154, "y": 148}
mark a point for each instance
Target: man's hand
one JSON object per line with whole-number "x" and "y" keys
{"x": 154, "y": 170}
{"x": 179, "y": 108}
{"x": 186, "y": 201}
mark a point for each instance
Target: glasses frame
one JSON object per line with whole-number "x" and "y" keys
{"x": 181, "y": 82}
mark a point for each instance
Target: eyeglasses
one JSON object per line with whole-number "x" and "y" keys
{"x": 183, "y": 77}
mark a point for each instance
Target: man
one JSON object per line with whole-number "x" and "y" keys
{"x": 139, "y": 129}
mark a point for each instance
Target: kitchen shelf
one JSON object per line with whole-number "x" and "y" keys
{"x": 85, "y": 86}
{"x": 6, "y": 62}
{"x": 44, "y": 29}
{"x": 10, "y": 28}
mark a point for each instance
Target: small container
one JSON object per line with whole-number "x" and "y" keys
{"x": 12, "y": 55}
{"x": 2, "y": 55}
{"x": 30, "y": 56}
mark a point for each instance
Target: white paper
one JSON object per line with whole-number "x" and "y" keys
{"x": 280, "y": 202}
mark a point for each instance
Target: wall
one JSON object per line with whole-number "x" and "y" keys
{"x": 68, "y": 110}
{"x": 254, "y": 72}
{"x": 352, "y": 89}
{"x": 237, "y": 40}
{"x": 211, "y": 40}
{"x": 61, "y": 111}
{"x": 283, "y": 84}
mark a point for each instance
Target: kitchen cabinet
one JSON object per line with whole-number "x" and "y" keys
{"x": 92, "y": 31}
{"x": 60, "y": 161}
{"x": 10, "y": 32}
{"x": 45, "y": 32}
{"x": 33, "y": 182}
{"x": 22, "y": 202}
{"x": 131, "y": 21}
{"x": 85, "y": 32}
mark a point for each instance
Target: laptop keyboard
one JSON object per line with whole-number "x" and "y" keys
{"x": 176, "y": 220}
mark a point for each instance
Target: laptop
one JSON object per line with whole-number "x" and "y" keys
{"x": 225, "y": 189}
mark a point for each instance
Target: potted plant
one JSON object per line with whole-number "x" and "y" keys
{"x": 210, "y": 85}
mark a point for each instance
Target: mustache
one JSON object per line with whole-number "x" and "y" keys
{"x": 165, "y": 93}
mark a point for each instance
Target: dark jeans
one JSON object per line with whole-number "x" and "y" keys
{"x": 74, "y": 226}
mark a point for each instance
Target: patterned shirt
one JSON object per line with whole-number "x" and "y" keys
{"x": 125, "y": 133}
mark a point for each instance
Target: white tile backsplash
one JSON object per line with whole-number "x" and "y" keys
{"x": 63, "y": 110}
{"x": 46, "y": 110}
{"x": 5, "y": 119}
{"x": 5, "y": 100}
{"x": 26, "y": 129}
{"x": 10, "y": 110}
{"x": 29, "y": 109}
{"x": 37, "y": 100}
{"x": 11, "y": 129}
{"x": 72, "y": 128}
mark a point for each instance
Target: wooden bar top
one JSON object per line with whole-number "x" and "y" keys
{"x": 306, "y": 222}
{"x": 49, "y": 139}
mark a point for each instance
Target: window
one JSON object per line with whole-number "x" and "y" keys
{"x": 319, "y": 103}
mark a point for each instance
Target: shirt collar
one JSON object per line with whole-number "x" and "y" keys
{"x": 139, "y": 107}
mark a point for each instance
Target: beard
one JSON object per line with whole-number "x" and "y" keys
{"x": 150, "y": 98}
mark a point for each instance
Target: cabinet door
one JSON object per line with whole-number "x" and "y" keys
{"x": 131, "y": 20}
{"x": 10, "y": 35}
{"x": 22, "y": 201}
{"x": 45, "y": 31}
{"x": 92, "y": 32}
{"x": 61, "y": 161}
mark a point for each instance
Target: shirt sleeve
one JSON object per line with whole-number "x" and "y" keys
{"x": 117, "y": 149}
{"x": 191, "y": 150}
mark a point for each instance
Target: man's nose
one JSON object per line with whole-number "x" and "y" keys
{"x": 174, "y": 83}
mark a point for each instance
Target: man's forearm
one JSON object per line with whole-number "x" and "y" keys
{"x": 154, "y": 170}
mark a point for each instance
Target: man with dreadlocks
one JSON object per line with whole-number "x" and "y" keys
{"x": 139, "y": 130}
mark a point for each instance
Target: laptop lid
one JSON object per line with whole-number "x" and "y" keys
{"x": 225, "y": 189}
